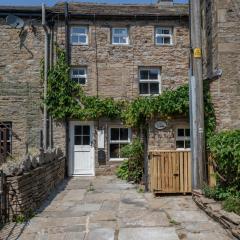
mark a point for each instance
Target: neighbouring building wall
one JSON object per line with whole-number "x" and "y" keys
{"x": 20, "y": 84}
{"x": 222, "y": 51}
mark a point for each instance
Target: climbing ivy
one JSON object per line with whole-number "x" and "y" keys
{"x": 66, "y": 99}
{"x": 167, "y": 105}
{"x": 209, "y": 113}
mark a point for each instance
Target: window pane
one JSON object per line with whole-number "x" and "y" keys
{"x": 79, "y": 30}
{"x": 154, "y": 88}
{"x": 123, "y": 40}
{"x": 86, "y": 130}
{"x": 159, "y": 30}
{"x": 144, "y": 74}
{"x": 153, "y": 74}
{"x": 114, "y": 151}
{"x": 160, "y": 40}
{"x": 75, "y": 71}
{"x": 187, "y": 144}
{"x": 82, "y": 80}
{"x": 75, "y": 80}
{"x": 167, "y": 40}
{"x": 187, "y": 132}
{"x": 180, "y": 132}
{"x": 123, "y": 133}
{"x": 77, "y": 140}
{"x": 144, "y": 88}
{"x": 78, "y": 130}
{"x": 116, "y": 40}
{"x": 82, "y": 39}
{"x": 180, "y": 144}
{"x": 86, "y": 140}
{"x": 122, "y": 31}
{"x": 81, "y": 71}
{"x": 74, "y": 39}
{"x": 114, "y": 133}
{"x": 165, "y": 31}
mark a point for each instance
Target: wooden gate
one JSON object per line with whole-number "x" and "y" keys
{"x": 170, "y": 171}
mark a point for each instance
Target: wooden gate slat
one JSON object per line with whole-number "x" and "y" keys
{"x": 181, "y": 164}
{"x": 170, "y": 171}
{"x": 189, "y": 173}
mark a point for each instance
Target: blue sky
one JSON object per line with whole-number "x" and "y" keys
{"x": 51, "y": 2}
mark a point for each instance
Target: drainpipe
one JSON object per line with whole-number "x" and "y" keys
{"x": 45, "y": 121}
{"x": 67, "y": 60}
{"x": 50, "y": 67}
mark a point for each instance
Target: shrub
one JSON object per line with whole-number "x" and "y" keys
{"x": 216, "y": 193}
{"x": 132, "y": 168}
{"x": 232, "y": 204}
{"x": 122, "y": 171}
{"x": 225, "y": 150}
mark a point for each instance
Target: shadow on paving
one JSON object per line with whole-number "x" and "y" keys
{"x": 14, "y": 230}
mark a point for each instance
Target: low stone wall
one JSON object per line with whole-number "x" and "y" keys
{"x": 26, "y": 191}
{"x": 229, "y": 220}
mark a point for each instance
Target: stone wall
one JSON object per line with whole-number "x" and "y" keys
{"x": 115, "y": 68}
{"x": 20, "y": 84}
{"x": 165, "y": 139}
{"x": 222, "y": 50}
{"x": 27, "y": 189}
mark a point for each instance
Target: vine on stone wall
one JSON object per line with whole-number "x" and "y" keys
{"x": 66, "y": 99}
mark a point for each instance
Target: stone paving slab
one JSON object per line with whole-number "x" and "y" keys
{"x": 147, "y": 234}
{"x": 101, "y": 234}
{"x": 114, "y": 210}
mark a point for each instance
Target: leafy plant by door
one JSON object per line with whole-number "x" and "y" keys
{"x": 132, "y": 168}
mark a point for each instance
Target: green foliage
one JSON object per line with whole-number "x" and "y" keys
{"x": 209, "y": 113}
{"x": 230, "y": 198}
{"x": 122, "y": 171}
{"x": 225, "y": 150}
{"x": 66, "y": 99}
{"x": 166, "y": 105}
{"x": 21, "y": 218}
{"x": 132, "y": 168}
{"x": 217, "y": 193}
{"x": 232, "y": 204}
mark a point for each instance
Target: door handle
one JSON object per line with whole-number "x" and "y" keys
{"x": 176, "y": 174}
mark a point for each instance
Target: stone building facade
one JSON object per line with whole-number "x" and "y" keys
{"x": 221, "y": 48}
{"x": 112, "y": 48}
{"x": 20, "y": 83}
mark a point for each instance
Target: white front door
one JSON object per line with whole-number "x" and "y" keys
{"x": 81, "y": 149}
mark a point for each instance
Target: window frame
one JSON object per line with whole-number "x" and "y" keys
{"x": 183, "y": 138}
{"x": 128, "y": 141}
{"x": 149, "y": 81}
{"x": 119, "y": 35}
{"x": 164, "y": 35}
{"x": 79, "y": 76}
{"x": 79, "y": 34}
{"x": 9, "y": 141}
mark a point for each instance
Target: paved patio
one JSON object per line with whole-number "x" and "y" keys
{"x": 105, "y": 208}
